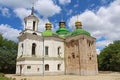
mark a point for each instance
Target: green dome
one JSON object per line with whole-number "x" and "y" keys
{"x": 48, "y": 33}
{"x": 61, "y": 31}
{"x": 80, "y": 31}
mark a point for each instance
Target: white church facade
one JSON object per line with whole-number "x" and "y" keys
{"x": 59, "y": 53}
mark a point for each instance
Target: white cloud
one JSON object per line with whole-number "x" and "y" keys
{"x": 8, "y": 32}
{"x": 98, "y": 51}
{"x": 47, "y": 8}
{"x": 41, "y": 24}
{"x": 104, "y": 22}
{"x": 63, "y": 2}
{"x": 76, "y": 5}
{"x": 22, "y": 12}
{"x": 16, "y": 3}
{"x": 103, "y": 43}
{"x": 5, "y": 11}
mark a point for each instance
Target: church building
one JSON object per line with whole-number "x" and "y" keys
{"x": 55, "y": 53}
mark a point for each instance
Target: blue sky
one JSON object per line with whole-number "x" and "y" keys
{"x": 99, "y": 17}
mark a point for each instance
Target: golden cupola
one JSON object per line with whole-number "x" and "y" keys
{"x": 48, "y": 26}
{"x": 78, "y": 24}
{"x": 79, "y": 30}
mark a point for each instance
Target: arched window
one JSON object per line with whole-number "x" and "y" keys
{"x": 58, "y": 67}
{"x": 34, "y": 34}
{"x": 34, "y": 25}
{"x": 33, "y": 48}
{"x": 59, "y": 51}
{"x": 46, "y": 67}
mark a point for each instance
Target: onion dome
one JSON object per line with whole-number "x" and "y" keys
{"x": 48, "y": 31}
{"x": 62, "y": 31}
{"x": 79, "y": 29}
{"x": 78, "y": 24}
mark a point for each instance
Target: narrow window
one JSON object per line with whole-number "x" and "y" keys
{"x": 89, "y": 43}
{"x": 58, "y": 67}
{"x": 73, "y": 55}
{"x": 46, "y": 50}
{"x": 22, "y": 48}
{"x": 34, "y": 25}
{"x": 22, "y": 45}
{"x": 33, "y": 48}
{"x": 28, "y": 67}
{"x": 46, "y": 67}
{"x": 89, "y": 58}
{"x": 20, "y": 69}
{"x": 37, "y": 69}
{"x": 58, "y": 50}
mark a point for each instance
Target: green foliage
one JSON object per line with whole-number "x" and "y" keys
{"x": 109, "y": 58}
{"x": 2, "y": 74}
{"x": 6, "y": 78}
{"x": 8, "y": 53}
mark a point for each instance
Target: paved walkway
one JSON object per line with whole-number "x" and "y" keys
{"x": 100, "y": 76}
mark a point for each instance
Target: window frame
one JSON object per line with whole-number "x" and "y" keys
{"x": 33, "y": 48}
{"x": 46, "y": 50}
{"x": 46, "y": 67}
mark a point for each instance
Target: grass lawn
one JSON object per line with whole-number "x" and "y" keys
{"x": 4, "y": 78}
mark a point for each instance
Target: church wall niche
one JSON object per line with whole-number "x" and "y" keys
{"x": 33, "y": 49}
{"x": 34, "y": 25}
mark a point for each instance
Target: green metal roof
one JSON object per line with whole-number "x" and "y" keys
{"x": 80, "y": 31}
{"x": 62, "y": 31}
{"x": 47, "y": 33}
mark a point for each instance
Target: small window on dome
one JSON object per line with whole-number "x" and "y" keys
{"x": 34, "y": 25}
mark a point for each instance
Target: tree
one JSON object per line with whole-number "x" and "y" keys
{"x": 109, "y": 58}
{"x": 8, "y": 53}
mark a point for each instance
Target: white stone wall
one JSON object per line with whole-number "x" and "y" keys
{"x": 53, "y": 68}
{"x": 29, "y": 24}
{"x": 53, "y": 65}
{"x": 36, "y": 68}
{"x": 52, "y": 59}
{"x": 19, "y": 50}
{"x": 52, "y": 44}
{"x": 53, "y": 47}
{"x": 27, "y": 48}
